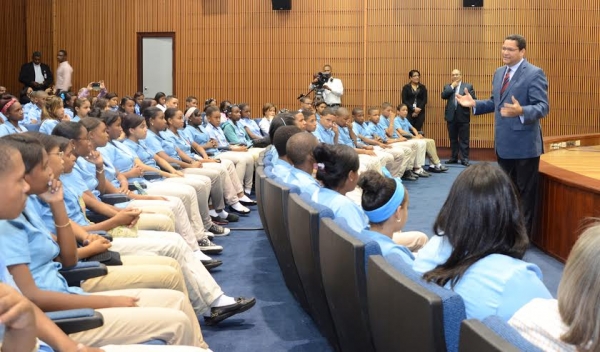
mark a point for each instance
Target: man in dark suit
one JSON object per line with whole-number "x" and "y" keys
{"x": 519, "y": 100}
{"x": 35, "y": 74}
{"x": 458, "y": 118}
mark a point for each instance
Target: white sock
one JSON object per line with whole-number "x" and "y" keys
{"x": 223, "y": 214}
{"x": 222, "y": 300}
{"x": 438, "y": 165}
{"x": 245, "y": 199}
{"x": 237, "y": 206}
{"x": 248, "y": 190}
{"x": 213, "y": 213}
{"x": 201, "y": 256}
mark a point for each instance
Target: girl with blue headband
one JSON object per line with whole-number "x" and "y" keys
{"x": 385, "y": 202}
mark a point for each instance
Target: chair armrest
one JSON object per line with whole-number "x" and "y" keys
{"x": 76, "y": 320}
{"x": 151, "y": 175}
{"x": 95, "y": 217}
{"x": 113, "y": 199}
{"x": 175, "y": 166}
{"x": 83, "y": 271}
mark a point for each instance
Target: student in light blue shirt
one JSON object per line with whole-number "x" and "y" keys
{"x": 12, "y": 110}
{"x": 251, "y": 127}
{"x": 282, "y": 166}
{"x": 479, "y": 245}
{"x": 327, "y": 130}
{"x": 299, "y": 151}
{"x": 56, "y": 113}
{"x": 337, "y": 169}
{"x": 385, "y": 202}
{"x": 82, "y": 108}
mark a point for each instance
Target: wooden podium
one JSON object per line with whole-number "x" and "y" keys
{"x": 569, "y": 191}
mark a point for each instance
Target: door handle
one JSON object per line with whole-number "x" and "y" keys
{"x": 145, "y": 88}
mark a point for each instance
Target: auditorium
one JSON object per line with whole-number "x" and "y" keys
{"x": 286, "y": 175}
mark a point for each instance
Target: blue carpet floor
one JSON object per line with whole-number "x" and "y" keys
{"x": 277, "y": 322}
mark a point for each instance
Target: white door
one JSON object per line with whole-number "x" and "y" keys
{"x": 157, "y": 65}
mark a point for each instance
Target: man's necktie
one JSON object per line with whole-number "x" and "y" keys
{"x": 505, "y": 82}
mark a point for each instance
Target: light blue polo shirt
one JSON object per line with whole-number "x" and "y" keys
{"x": 361, "y": 130}
{"x": 495, "y": 285}
{"x": 142, "y": 152}
{"x": 26, "y": 240}
{"x": 48, "y": 126}
{"x": 178, "y": 142}
{"x": 324, "y": 135}
{"x": 34, "y": 113}
{"x": 196, "y": 134}
{"x": 376, "y": 129}
{"x": 73, "y": 188}
{"x": 344, "y": 137}
{"x": 251, "y": 124}
{"x": 305, "y": 182}
{"x": 388, "y": 246}
{"x": 342, "y": 207}
{"x": 281, "y": 168}
{"x": 218, "y": 134}
{"x": 156, "y": 144}
{"x": 403, "y": 123}
{"x": 8, "y": 128}
{"x": 87, "y": 173}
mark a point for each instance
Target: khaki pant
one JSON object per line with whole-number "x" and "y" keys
{"x": 202, "y": 186}
{"x": 403, "y": 155}
{"x": 244, "y": 165}
{"x": 432, "y": 152}
{"x": 156, "y": 218}
{"x": 149, "y": 348}
{"x": 413, "y": 240}
{"x": 368, "y": 162}
{"x": 202, "y": 288}
{"x": 231, "y": 183}
{"x": 161, "y": 315}
{"x": 216, "y": 187}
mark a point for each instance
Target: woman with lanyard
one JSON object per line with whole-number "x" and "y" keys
{"x": 13, "y": 111}
{"x": 195, "y": 136}
{"x": 129, "y": 165}
{"x": 168, "y": 151}
{"x": 385, "y": 202}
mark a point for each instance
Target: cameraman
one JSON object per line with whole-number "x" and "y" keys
{"x": 333, "y": 89}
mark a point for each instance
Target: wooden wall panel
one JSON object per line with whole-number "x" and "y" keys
{"x": 13, "y": 43}
{"x": 244, "y": 51}
{"x": 40, "y": 31}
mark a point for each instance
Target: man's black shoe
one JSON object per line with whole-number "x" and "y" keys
{"x": 465, "y": 162}
{"x": 218, "y": 314}
{"x": 211, "y": 264}
{"x": 452, "y": 161}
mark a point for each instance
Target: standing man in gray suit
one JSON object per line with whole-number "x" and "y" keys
{"x": 519, "y": 100}
{"x": 458, "y": 118}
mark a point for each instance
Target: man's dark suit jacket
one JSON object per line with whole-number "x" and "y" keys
{"x": 462, "y": 114}
{"x": 27, "y": 76}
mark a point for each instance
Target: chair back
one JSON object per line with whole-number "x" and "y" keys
{"x": 33, "y": 127}
{"x": 275, "y": 200}
{"x": 492, "y": 334}
{"x": 343, "y": 270}
{"x": 259, "y": 180}
{"x": 303, "y": 226}
{"x": 408, "y": 313}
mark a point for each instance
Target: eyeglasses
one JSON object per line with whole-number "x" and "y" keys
{"x": 60, "y": 154}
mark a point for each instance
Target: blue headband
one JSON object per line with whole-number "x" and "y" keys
{"x": 387, "y": 210}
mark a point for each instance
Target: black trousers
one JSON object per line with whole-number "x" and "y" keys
{"x": 524, "y": 174}
{"x": 418, "y": 121}
{"x": 459, "y": 133}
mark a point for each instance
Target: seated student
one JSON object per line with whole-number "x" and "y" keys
{"x": 306, "y": 104}
{"x": 112, "y": 101}
{"x": 402, "y": 155}
{"x": 127, "y": 105}
{"x": 100, "y": 104}
{"x": 319, "y": 106}
{"x": 369, "y": 160}
{"x": 33, "y": 96}
{"x": 188, "y": 223}
{"x": 251, "y": 127}
{"x": 280, "y": 120}
{"x": 30, "y": 251}
{"x": 327, "y": 131}
{"x": 479, "y": 244}
{"x": 167, "y": 150}
{"x": 337, "y": 169}
{"x": 138, "y": 97}
{"x": 378, "y": 131}
{"x": 204, "y": 293}
{"x": 385, "y": 201}
{"x": 147, "y": 103}
{"x": 68, "y": 103}
{"x": 310, "y": 120}
{"x": 34, "y": 112}
{"x": 223, "y": 108}
{"x": 82, "y": 109}
{"x": 238, "y": 154}
{"x": 282, "y": 166}
{"x": 403, "y": 127}
{"x": 571, "y": 322}
{"x": 18, "y": 325}
{"x": 388, "y": 122}
{"x": 171, "y": 101}
{"x": 52, "y": 115}
{"x": 160, "y": 99}
{"x": 232, "y": 187}
{"x": 299, "y": 152}
{"x": 12, "y": 110}
{"x": 269, "y": 111}
{"x": 235, "y": 133}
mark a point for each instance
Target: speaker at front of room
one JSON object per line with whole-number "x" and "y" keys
{"x": 472, "y": 3}
{"x": 282, "y": 4}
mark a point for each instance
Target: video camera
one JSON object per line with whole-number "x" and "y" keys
{"x": 320, "y": 79}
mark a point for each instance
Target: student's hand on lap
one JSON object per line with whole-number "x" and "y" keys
{"x": 123, "y": 301}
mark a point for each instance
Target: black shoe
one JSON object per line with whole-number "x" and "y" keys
{"x": 413, "y": 174}
{"x": 218, "y": 314}
{"x": 452, "y": 161}
{"x": 247, "y": 204}
{"x": 219, "y": 220}
{"x": 231, "y": 218}
{"x": 409, "y": 177}
{"x": 211, "y": 264}
{"x": 434, "y": 170}
{"x": 465, "y": 162}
